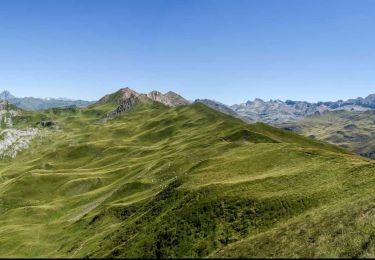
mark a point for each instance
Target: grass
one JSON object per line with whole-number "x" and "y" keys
{"x": 181, "y": 182}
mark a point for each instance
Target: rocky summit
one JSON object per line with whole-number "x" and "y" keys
{"x": 127, "y": 98}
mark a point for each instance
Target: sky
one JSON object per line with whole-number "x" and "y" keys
{"x": 227, "y": 50}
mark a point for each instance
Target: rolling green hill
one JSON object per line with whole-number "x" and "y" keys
{"x": 186, "y": 181}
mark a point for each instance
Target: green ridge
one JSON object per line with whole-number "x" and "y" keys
{"x": 181, "y": 182}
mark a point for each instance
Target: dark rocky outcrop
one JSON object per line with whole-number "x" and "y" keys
{"x": 47, "y": 123}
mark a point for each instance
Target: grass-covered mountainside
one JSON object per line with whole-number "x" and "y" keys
{"x": 354, "y": 131}
{"x": 132, "y": 177}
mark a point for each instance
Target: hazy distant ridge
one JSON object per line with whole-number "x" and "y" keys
{"x": 277, "y": 111}
{"x": 32, "y": 103}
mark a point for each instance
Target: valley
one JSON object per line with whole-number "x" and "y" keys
{"x": 354, "y": 131}
{"x": 348, "y": 124}
{"x": 151, "y": 175}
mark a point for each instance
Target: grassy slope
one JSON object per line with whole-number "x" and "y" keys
{"x": 183, "y": 182}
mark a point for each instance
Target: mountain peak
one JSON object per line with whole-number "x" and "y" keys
{"x": 176, "y": 99}
{"x": 128, "y": 93}
{"x": 170, "y": 99}
{"x": 6, "y": 95}
{"x": 120, "y": 96}
{"x": 259, "y": 100}
{"x": 127, "y": 98}
{"x": 370, "y": 98}
{"x": 128, "y": 90}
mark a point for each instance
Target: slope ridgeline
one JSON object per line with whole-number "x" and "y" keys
{"x": 137, "y": 175}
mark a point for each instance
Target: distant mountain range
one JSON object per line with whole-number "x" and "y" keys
{"x": 277, "y": 111}
{"x": 273, "y": 112}
{"x": 31, "y": 103}
{"x": 348, "y": 124}
{"x": 354, "y": 131}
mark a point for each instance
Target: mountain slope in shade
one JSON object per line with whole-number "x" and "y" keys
{"x": 188, "y": 181}
{"x": 221, "y": 108}
{"x": 217, "y": 106}
{"x": 31, "y": 103}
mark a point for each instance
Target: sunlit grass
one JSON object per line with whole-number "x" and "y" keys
{"x": 181, "y": 182}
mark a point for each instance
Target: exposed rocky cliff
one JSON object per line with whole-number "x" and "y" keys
{"x": 127, "y": 98}
{"x": 13, "y": 140}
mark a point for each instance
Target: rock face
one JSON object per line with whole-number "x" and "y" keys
{"x": 170, "y": 99}
{"x": 176, "y": 100}
{"x": 127, "y": 93}
{"x": 12, "y": 141}
{"x": 159, "y": 97}
{"x": 120, "y": 96}
{"x": 127, "y": 98}
{"x": 127, "y": 104}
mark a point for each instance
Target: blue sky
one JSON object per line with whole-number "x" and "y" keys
{"x": 228, "y": 50}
